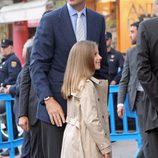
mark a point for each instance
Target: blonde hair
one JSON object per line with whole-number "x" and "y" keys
{"x": 80, "y": 66}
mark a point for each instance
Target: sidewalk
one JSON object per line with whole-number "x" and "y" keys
{"x": 120, "y": 149}
{"x": 124, "y": 149}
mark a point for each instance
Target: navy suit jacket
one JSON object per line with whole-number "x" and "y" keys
{"x": 53, "y": 41}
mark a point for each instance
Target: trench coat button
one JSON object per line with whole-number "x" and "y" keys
{"x": 103, "y": 116}
{"x": 98, "y": 99}
{"x": 101, "y": 145}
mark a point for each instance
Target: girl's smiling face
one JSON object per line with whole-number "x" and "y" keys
{"x": 97, "y": 59}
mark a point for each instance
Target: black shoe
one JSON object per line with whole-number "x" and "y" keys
{"x": 6, "y": 153}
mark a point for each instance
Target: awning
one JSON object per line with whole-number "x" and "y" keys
{"x": 23, "y": 11}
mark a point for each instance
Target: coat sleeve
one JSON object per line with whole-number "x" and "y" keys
{"x": 146, "y": 76}
{"x": 91, "y": 118}
{"x": 14, "y": 89}
{"x": 41, "y": 57}
{"x": 120, "y": 67}
{"x": 123, "y": 85}
{"x": 25, "y": 87}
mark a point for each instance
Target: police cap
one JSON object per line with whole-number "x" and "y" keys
{"x": 108, "y": 35}
{"x": 6, "y": 42}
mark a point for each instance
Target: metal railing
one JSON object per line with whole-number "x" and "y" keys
{"x": 114, "y": 135}
{"x": 11, "y": 143}
{"x": 126, "y": 134}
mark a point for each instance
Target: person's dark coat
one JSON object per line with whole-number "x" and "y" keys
{"x": 148, "y": 70}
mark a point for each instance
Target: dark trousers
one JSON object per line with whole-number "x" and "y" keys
{"x": 139, "y": 104}
{"x": 118, "y": 121}
{"x": 51, "y": 140}
{"x": 25, "y": 150}
{"x": 15, "y": 130}
{"x": 152, "y": 136}
{"x": 35, "y": 140}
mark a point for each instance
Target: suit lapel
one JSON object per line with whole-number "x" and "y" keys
{"x": 66, "y": 27}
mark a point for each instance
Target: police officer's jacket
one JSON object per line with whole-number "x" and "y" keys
{"x": 115, "y": 61}
{"x": 9, "y": 70}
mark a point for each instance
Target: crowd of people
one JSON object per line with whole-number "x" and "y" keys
{"x": 61, "y": 91}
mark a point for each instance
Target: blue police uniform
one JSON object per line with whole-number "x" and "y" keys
{"x": 115, "y": 61}
{"x": 9, "y": 69}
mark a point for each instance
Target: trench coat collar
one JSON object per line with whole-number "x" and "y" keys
{"x": 81, "y": 85}
{"x": 93, "y": 79}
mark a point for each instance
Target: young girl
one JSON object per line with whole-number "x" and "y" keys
{"x": 87, "y": 133}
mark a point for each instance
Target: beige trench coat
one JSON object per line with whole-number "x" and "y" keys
{"x": 87, "y": 131}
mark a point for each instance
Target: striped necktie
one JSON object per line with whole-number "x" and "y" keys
{"x": 80, "y": 33}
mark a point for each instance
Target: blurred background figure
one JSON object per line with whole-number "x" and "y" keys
{"x": 10, "y": 65}
{"x": 9, "y": 70}
{"x": 14, "y": 90}
{"x": 115, "y": 61}
{"x": 28, "y": 108}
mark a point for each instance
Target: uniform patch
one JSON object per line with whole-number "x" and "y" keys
{"x": 13, "y": 64}
{"x": 112, "y": 56}
{"x": 3, "y": 63}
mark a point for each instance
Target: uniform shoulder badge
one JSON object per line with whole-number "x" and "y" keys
{"x": 13, "y": 64}
{"x": 112, "y": 56}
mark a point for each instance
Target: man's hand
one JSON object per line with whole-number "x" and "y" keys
{"x": 1, "y": 89}
{"x": 113, "y": 82}
{"x": 120, "y": 111}
{"x": 24, "y": 123}
{"x": 7, "y": 91}
{"x": 55, "y": 112}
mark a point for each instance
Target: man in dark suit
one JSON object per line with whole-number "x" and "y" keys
{"x": 148, "y": 77}
{"x": 14, "y": 91}
{"x": 129, "y": 83}
{"x": 57, "y": 33}
{"x": 28, "y": 107}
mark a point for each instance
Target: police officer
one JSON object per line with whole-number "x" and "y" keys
{"x": 9, "y": 70}
{"x": 10, "y": 65}
{"x": 115, "y": 61}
